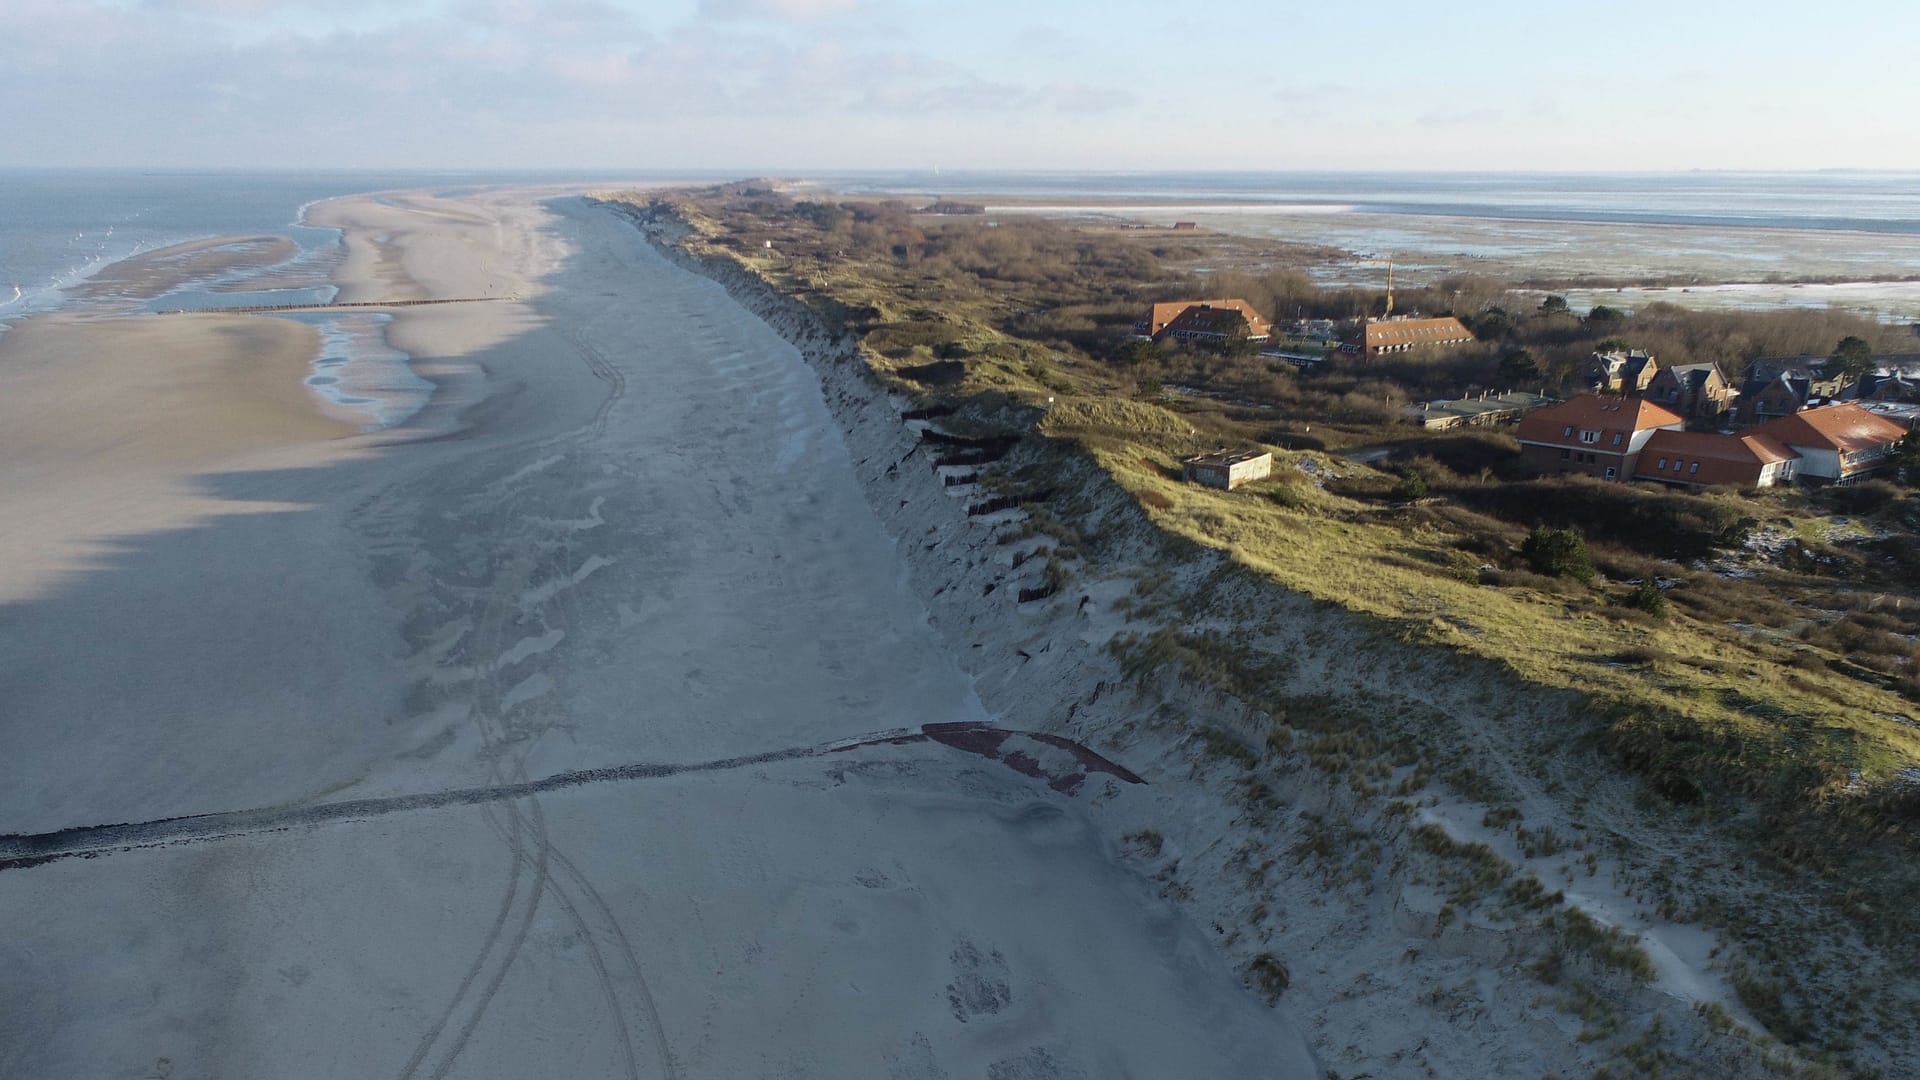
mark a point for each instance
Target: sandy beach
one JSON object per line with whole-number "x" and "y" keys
{"x": 624, "y": 536}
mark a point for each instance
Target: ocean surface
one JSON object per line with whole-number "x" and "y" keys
{"x": 1775, "y": 234}
{"x": 58, "y": 228}
{"x": 1785, "y": 239}
{"x": 1859, "y": 202}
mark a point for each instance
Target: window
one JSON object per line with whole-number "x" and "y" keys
{"x": 1565, "y": 454}
{"x": 1662, "y": 465}
{"x": 1589, "y": 437}
{"x": 1567, "y": 432}
{"x": 1694, "y": 468}
{"x": 1609, "y": 472}
{"x": 1616, "y": 438}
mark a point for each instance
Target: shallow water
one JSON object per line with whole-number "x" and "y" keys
{"x": 359, "y": 373}
{"x": 1698, "y": 228}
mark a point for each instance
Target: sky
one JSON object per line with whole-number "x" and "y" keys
{"x": 1076, "y": 85}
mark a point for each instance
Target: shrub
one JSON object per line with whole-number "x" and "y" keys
{"x": 1463, "y": 567}
{"x": 1558, "y": 553}
{"x": 1867, "y": 497}
{"x": 1267, "y": 975}
{"x": 1647, "y": 597}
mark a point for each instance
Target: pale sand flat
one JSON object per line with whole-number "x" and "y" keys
{"x": 627, "y": 529}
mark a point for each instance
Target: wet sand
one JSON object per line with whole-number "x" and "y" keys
{"x": 152, "y": 273}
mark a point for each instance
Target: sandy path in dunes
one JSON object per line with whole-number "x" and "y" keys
{"x": 627, "y": 530}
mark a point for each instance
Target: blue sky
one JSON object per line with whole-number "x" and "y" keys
{"x": 763, "y": 85}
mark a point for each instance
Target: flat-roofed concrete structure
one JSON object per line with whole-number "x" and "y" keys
{"x": 1483, "y": 411}
{"x": 1227, "y": 469}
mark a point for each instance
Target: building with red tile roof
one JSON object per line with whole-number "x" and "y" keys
{"x": 1699, "y": 459}
{"x": 1199, "y": 320}
{"x": 1590, "y": 434}
{"x": 1399, "y": 335}
{"x": 1840, "y": 443}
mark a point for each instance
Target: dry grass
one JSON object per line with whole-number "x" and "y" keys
{"x": 1696, "y": 704}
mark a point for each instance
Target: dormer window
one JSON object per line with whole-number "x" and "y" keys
{"x": 1590, "y": 437}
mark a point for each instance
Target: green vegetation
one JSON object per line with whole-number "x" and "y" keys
{"x": 1760, "y": 676}
{"x": 1854, "y": 355}
{"x": 1558, "y": 553}
{"x": 1019, "y": 310}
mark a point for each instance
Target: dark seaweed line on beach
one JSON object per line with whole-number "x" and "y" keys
{"x": 255, "y": 308}
{"x": 22, "y": 850}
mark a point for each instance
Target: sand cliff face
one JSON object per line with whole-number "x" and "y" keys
{"x": 1352, "y": 895}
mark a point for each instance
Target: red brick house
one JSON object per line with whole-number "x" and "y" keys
{"x": 1838, "y": 443}
{"x": 1200, "y": 320}
{"x": 1594, "y": 435}
{"x": 1699, "y": 459}
{"x": 1695, "y": 391}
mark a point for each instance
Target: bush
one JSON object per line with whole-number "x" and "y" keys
{"x": 1866, "y": 497}
{"x": 1647, "y": 597}
{"x": 1463, "y": 567}
{"x": 1269, "y": 976}
{"x": 1668, "y": 524}
{"x": 1558, "y": 553}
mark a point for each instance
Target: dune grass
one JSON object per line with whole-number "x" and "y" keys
{"x": 1697, "y": 705}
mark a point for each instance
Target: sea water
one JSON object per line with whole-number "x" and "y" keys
{"x": 58, "y": 228}
{"x": 1776, "y": 233}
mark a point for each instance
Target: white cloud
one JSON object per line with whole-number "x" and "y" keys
{"x": 780, "y": 10}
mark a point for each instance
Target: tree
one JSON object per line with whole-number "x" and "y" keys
{"x": 1602, "y": 315}
{"x": 1492, "y": 325}
{"x": 1236, "y": 336}
{"x": 1517, "y": 366}
{"x": 826, "y": 216}
{"x": 1907, "y": 459}
{"x": 1854, "y": 356}
{"x": 1558, "y": 553}
{"x": 1554, "y": 305}
{"x": 1140, "y": 351}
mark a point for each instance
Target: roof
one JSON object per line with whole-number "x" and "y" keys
{"x": 1207, "y": 319}
{"x": 1160, "y": 316}
{"x": 1561, "y": 425}
{"x": 1845, "y": 427}
{"x": 1807, "y": 367}
{"x": 1701, "y": 458}
{"x": 1632, "y": 367}
{"x": 1797, "y": 385}
{"x": 1226, "y": 458}
{"x": 1468, "y": 408}
{"x": 1380, "y": 334}
{"x": 1693, "y": 376}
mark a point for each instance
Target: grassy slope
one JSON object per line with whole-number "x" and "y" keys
{"x": 1706, "y": 711}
